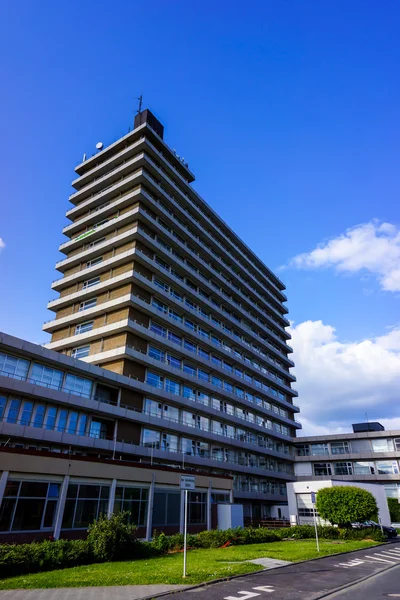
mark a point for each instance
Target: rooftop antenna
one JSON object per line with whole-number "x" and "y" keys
{"x": 139, "y": 110}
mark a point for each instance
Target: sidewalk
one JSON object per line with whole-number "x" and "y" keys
{"x": 124, "y": 592}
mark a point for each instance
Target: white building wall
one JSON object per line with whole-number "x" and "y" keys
{"x": 296, "y": 488}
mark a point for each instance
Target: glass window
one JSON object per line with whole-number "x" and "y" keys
{"x": 27, "y": 409}
{"x": 84, "y": 327}
{"x": 3, "y": 402}
{"x": 151, "y": 438}
{"x": 13, "y": 410}
{"x": 190, "y": 346}
{"x": 51, "y": 417}
{"x": 42, "y": 375}
{"x": 159, "y": 305}
{"x": 175, "y": 315}
{"x": 88, "y": 304}
{"x": 156, "y": 353}
{"x": 166, "y": 508}
{"x": 169, "y": 442}
{"x": 62, "y": 420}
{"x": 322, "y": 469}
{"x": 197, "y": 508}
{"x": 173, "y": 387}
{"x": 343, "y": 468}
{"x": 73, "y": 422}
{"x": 382, "y": 445}
{"x": 152, "y": 407}
{"x": 190, "y": 325}
{"x": 387, "y": 467}
{"x": 364, "y": 468}
{"x": 82, "y": 425}
{"x": 170, "y": 412}
{"x": 173, "y": 337}
{"x": 319, "y": 449}
{"x": 205, "y": 375}
{"x": 188, "y": 392}
{"x": 90, "y": 282}
{"x": 158, "y": 329}
{"x": 28, "y": 506}
{"x": 80, "y": 352}
{"x": 203, "y": 398}
{"x": 84, "y": 504}
{"x": 39, "y": 415}
{"x": 216, "y": 380}
{"x": 204, "y": 354}
{"x": 77, "y": 385}
{"x": 13, "y": 366}
{"x": 174, "y": 361}
{"x": 189, "y": 369}
{"x": 132, "y": 500}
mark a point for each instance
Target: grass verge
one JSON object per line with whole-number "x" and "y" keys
{"x": 203, "y": 565}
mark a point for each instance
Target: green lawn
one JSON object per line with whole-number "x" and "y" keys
{"x": 203, "y": 565}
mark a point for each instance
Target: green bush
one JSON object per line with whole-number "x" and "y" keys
{"x": 342, "y": 505}
{"x": 394, "y": 510}
{"x": 113, "y": 538}
{"x": 44, "y": 556}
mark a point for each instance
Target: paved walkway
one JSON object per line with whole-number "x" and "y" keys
{"x": 123, "y": 592}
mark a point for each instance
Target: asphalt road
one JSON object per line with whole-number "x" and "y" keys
{"x": 302, "y": 581}
{"x": 385, "y": 585}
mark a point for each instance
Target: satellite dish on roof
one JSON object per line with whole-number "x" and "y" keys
{"x": 99, "y": 145}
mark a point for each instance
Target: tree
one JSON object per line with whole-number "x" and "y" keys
{"x": 394, "y": 510}
{"x": 342, "y": 505}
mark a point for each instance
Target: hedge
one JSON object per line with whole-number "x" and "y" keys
{"x": 114, "y": 539}
{"x": 394, "y": 510}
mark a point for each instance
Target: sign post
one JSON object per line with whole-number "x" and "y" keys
{"x": 313, "y": 500}
{"x": 188, "y": 482}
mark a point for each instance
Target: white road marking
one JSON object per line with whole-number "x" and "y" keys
{"x": 392, "y": 562}
{"x": 264, "y": 588}
{"x": 244, "y": 596}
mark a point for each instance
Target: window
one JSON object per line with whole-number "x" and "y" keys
{"x": 189, "y": 369}
{"x": 134, "y": 500}
{"x": 77, "y": 385}
{"x": 382, "y": 445}
{"x": 73, "y": 422}
{"x": 158, "y": 329}
{"x": 51, "y": 417}
{"x": 203, "y": 332}
{"x": 27, "y": 409}
{"x": 190, "y": 325}
{"x": 94, "y": 261}
{"x": 172, "y": 387}
{"x": 216, "y": 380}
{"x": 39, "y": 415}
{"x": 97, "y": 429}
{"x": 88, "y": 304}
{"x": 197, "y": 508}
{"x": 190, "y": 304}
{"x": 190, "y": 346}
{"x": 203, "y": 374}
{"x": 166, "y": 508}
{"x": 161, "y": 284}
{"x": 84, "y": 504}
{"x": 173, "y": 337}
{"x": 204, "y": 354}
{"x": 339, "y": 447}
{"x": 343, "y": 468}
{"x": 319, "y": 449}
{"x": 189, "y": 392}
{"x": 45, "y": 376}
{"x": 156, "y": 353}
{"x": 62, "y": 420}
{"x": 387, "y": 467}
{"x": 203, "y": 398}
{"x": 364, "y": 468}
{"x": 90, "y": 282}
{"x": 80, "y": 352}
{"x": 322, "y": 469}
{"x": 216, "y": 360}
{"x": 159, "y": 305}
{"x": 13, "y": 410}
{"x": 151, "y": 439}
{"x": 174, "y": 361}
{"x": 169, "y": 442}
{"x": 28, "y": 505}
{"x": 155, "y": 380}
{"x": 13, "y": 366}
{"x": 97, "y": 242}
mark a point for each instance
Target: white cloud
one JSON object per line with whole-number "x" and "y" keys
{"x": 2, "y": 243}
{"x": 338, "y": 382}
{"x": 370, "y": 247}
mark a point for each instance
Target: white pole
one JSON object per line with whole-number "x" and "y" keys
{"x": 316, "y": 528}
{"x": 185, "y": 534}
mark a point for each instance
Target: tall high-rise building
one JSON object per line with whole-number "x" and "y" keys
{"x": 157, "y": 288}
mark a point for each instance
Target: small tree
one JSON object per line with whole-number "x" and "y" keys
{"x": 342, "y": 505}
{"x": 113, "y": 538}
{"x": 394, "y": 510}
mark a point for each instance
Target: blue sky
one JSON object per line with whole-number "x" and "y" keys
{"x": 287, "y": 111}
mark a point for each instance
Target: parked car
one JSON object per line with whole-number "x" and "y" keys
{"x": 391, "y": 532}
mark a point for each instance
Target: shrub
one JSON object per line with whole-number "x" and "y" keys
{"x": 342, "y": 505}
{"x": 43, "y": 556}
{"x": 394, "y": 510}
{"x": 113, "y": 538}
